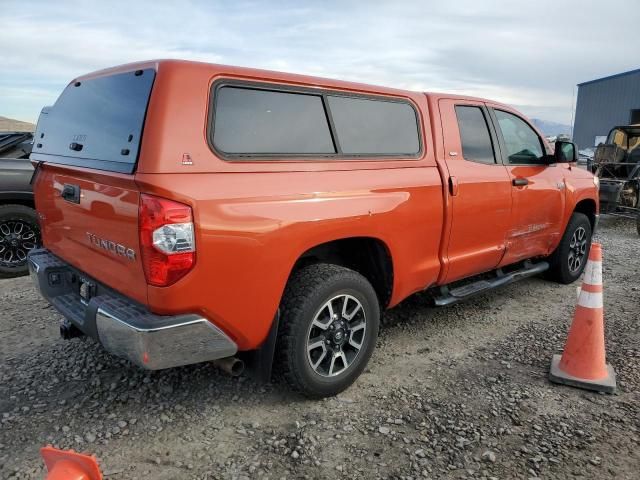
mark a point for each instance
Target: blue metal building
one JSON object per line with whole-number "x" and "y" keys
{"x": 604, "y": 103}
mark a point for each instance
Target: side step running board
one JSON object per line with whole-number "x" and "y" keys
{"x": 448, "y": 296}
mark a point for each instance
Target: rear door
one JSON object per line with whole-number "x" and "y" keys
{"x": 538, "y": 188}
{"x": 479, "y": 190}
{"x": 87, "y": 144}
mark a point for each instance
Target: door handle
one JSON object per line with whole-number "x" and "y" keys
{"x": 453, "y": 186}
{"x": 71, "y": 193}
{"x": 519, "y": 182}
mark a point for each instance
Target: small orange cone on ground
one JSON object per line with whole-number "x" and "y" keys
{"x": 583, "y": 362}
{"x": 69, "y": 465}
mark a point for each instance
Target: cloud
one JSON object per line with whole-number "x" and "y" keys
{"x": 529, "y": 54}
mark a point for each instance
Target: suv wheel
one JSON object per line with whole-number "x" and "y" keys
{"x": 19, "y": 233}
{"x": 569, "y": 259}
{"x": 330, "y": 318}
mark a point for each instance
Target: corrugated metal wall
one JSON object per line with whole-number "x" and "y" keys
{"x": 604, "y": 104}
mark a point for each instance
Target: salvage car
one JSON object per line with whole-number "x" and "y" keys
{"x": 617, "y": 164}
{"x": 19, "y": 230}
{"x": 193, "y": 212}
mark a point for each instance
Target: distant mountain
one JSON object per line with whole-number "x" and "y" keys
{"x": 551, "y": 128}
{"x": 11, "y": 125}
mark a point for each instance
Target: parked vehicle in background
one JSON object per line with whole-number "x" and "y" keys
{"x": 264, "y": 213}
{"x": 19, "y": 231}
{"x": 617, "y": 165}
{"x": 15, "y": 144}
{"x": 585, "y": 157}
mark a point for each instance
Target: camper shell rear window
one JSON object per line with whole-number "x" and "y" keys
{"x": 97, "y": 122}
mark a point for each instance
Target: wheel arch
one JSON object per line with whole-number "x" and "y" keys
{"x": 13, "y": 198}
{"x": 587, "y": 206}
{"x": 369, "y": 256}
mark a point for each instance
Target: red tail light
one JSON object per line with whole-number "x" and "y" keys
{"x": 167, "y": 241}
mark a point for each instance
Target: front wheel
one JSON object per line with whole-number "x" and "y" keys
{"x": 330, "y": 318}
{"x": 569, "y": 259}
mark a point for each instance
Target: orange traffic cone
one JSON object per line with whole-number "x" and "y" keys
{"x": 69, "y": 465}
{"x": 583, "y": 362}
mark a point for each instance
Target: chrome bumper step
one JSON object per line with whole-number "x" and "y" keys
{"x": 124, "y": 327}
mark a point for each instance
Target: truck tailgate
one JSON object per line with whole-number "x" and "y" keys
{"x": 87, "y": 147}
{"x": 94, "y": 225}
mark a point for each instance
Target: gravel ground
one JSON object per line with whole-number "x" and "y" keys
{"x": 460, "y": 392}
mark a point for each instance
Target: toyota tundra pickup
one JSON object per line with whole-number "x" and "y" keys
{"x": 193, "y": 212}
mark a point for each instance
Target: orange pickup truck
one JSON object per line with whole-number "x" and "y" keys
{"x": 194, "y": 212}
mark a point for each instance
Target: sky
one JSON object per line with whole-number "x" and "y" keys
{"x": 529, "y": 54}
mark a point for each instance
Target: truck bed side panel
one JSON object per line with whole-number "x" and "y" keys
{"x": 248, "y": 244}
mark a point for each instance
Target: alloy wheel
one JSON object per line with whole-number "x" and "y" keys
{"x": 336, "y": 335}
{"x": 17, "y": 238}
{"x": 577, "y": 249}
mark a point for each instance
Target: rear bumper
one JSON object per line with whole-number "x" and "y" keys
{"x": 124, "y": 327}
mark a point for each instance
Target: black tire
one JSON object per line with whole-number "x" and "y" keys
{"x": 15, "y": 220}
{"x": 560, "y": 270}
{"x": 306, "y": 297}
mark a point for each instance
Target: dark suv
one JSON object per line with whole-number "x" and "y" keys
{"x": 19, "y": 231}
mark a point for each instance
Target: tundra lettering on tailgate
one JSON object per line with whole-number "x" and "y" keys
{"x": 112, "y": 247}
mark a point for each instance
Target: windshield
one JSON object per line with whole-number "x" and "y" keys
{"x": 617, "y": 137}
{"x": 96, "y": 123}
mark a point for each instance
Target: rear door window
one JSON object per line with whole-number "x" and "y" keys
{"x": 474, "y": 135}
{"x": 252, "y": 122}
{"x": 97, "y": 123}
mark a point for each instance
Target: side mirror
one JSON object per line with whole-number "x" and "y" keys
{"x": 565, "y": 152}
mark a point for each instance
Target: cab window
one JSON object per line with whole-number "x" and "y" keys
{"x": 474, "y": 135}
{"x": 523, "y": 146}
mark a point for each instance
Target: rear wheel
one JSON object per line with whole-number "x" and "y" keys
{"x": 330, "y": 318}
{"x": 569, "y": 259}
{"x": 19, "y": 234}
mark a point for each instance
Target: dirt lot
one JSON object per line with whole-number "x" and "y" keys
{"x": 460, "y": 392}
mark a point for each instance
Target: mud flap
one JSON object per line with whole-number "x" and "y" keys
{"x": 259, "y": 363}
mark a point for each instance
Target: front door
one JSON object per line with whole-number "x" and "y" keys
{"x": 479, "y": 189}
{"x": 538, "y": 189}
